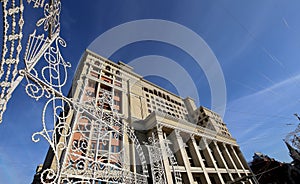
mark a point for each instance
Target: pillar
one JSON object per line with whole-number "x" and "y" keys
{"x": 230, "y": 158}
{"x": 179, "y": 146}
{"x": 196, "y": 149}
{"x": 165, "y": 158}
{"x": 213, "y": 161}
{"x": 222, "y": 158}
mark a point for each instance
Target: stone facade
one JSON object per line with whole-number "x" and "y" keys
{"x": 173, "y": 140}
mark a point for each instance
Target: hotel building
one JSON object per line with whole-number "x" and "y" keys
{"x": 126, "y": 129}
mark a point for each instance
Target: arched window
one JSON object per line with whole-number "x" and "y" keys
{"x": 107, "y": 68}
{"x": 97, "y": 63}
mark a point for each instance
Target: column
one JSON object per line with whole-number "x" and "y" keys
{"x": 223, "y": 160}
{"x": 240, "y": 162}
{"x": 165, "y": 160}
{"x": 126, "y": 147}
{"x": 230, "y": 159}
{"x": 237, "y": 158}
{"x": 181, "y": 147}
{"x": 132, "y": 156}
{"x": 196, "y": 149}
{"x": 213, "y": 161}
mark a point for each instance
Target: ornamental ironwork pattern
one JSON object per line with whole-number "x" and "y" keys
{"x": 96, "y": 151}
{"x": 293, "y": 138}
{"x": 156, "y": 161}
{"x": 87, "y": 158}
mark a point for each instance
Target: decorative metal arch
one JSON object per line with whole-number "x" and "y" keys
{"x": 72, "y": 163}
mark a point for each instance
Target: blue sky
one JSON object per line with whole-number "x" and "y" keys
{"x": 256, "y": 43}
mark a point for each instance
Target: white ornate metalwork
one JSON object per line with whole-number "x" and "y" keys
{"x": 38, "y": 44}
{"x": 52, "y": 76}
{"x": 36, "y": 47}
{"x": 37, "y": 3}
{"x": 84, "y": 160}
{"x": 75, "y": 159}
{"x": 56, "y": 136}
{"x": 294, "y": 138}
{"x": 89, "y": 157}
{"x": 13, "y": 25}
{"x": 155, "y": 159}
{"x": 173, "y": 161}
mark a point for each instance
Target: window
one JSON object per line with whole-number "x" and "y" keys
{"x": 91, "y": 83}
{"x": 97, "y": 63}
{"x": 119, "y": 79}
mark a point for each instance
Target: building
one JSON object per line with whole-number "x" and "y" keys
{"x": 269, "y": 170}
{"x": 126, "y": 129}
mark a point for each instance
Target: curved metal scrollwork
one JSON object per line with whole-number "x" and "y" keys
{"x": 97, "y": 148}
{"x": 155, "y": 158}
{"x": 56, "y": 136}
{"x": 156, "y": 161}
{"x": 87, "y": 141}
{"x": 91, "y": 150}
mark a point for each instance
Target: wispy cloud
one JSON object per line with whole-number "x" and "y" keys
{"x": 290, "y": 82}
{"x": 286, "y": 23}
{"x": 261, "y": 117}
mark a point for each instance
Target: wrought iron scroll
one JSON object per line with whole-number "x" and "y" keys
{"x": 46, "y": 73}
{"x": 37, "y": 45}
{"x": 88, "y": 157}
{"x": 81, "y": 160}
{"x": 155, "y": 159}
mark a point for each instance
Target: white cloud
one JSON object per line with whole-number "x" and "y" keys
{"x": 259, "y": 120}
